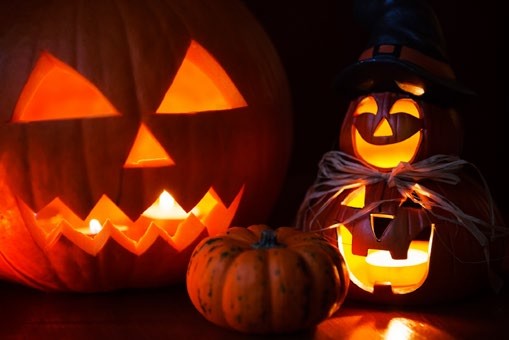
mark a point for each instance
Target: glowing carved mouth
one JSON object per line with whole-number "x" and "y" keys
{"x": 379, "y": 268}
{"x": 387, "y": 155}
{"x": 106, "y": 220}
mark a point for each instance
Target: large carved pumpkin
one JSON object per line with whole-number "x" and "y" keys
{"x": 414, "y": 222}
{"x": 129, "y": 131}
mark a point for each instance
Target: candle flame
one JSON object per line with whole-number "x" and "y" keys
{"x": 165, "y": 208}
{"x": 166, "y": 201}
{"x": 95, "y": 226}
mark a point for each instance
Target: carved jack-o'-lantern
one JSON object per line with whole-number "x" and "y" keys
{"x": 386, "y": 128}
{"x": 413, "y": 221}
{"x": 129, "y": 131}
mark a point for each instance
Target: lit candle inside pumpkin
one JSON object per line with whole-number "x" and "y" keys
{"x": 166, "y": 213}
{"x": 383, "y": 269}
{"x": 95, "y": 226}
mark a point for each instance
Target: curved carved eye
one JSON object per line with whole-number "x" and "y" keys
{"x": 56, "y": 91}
{"x": 201, "y": 84}
{"x": 405, "y": 105}
{"x": 366, "y": 105}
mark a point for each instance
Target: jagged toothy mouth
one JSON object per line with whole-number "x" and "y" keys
{"x": 378, "y": 268}
{"x": 163, "y": 218}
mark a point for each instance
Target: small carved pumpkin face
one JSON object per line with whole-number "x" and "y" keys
{"x": 391, "y": 245}
{"x": 385, "y": 128}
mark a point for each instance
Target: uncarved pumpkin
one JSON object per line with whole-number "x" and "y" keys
{"x": 263, "y": 280}
{"x": 108, "y": 106}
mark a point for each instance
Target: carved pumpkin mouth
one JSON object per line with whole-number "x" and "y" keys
{"x": 379, "y": 269}
{"x": 164, "y": 218}
{"x": 387, "y": 155}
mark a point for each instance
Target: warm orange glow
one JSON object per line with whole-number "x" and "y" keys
{"x": 383, "y": 269}
{"x": 378, "y": 268}
{"x": 406, "y": 105}
{"x": 95, "y": 226}
{"x": 54, "y": 90}
{"x": 201, "y": 84}
{"x": 166, "y": 213}
{"x": 366, "y": 105}
{"x": 387, "y": 155}
{"x": 416, "y": 90}
{"x": 147, "y": 151}
{"x": 373, "y": 217}
{"x": 400, "y": 329}
{"x": 356, "y": 199}
{"x": 383, "y": 129}
{"x": 109, "y": 221}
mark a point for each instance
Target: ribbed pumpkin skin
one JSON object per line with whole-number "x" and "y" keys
{"x": 131, "y": 51}
{"x": 275, "y": 289}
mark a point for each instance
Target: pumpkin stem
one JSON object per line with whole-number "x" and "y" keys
{"x": 267, "y": 239}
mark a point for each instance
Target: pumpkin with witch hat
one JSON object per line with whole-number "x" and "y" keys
{"x": 414, "y": 222}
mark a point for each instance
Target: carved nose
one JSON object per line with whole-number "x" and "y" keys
{"x": 379, "y": 224}
{"x": 383, "y": 129}
{"x": 147, "y": 151}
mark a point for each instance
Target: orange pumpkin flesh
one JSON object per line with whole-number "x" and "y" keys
{"x": 260, "y": 280}
{"x": 95, "y": 127}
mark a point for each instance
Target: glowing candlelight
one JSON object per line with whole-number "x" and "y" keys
{"x": 166, "y": 213}
{"x": 165, "y": 208}
{"x": 383, "y": 269}
{"x": 94, "y": 226}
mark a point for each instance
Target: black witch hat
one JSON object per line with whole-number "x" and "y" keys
{"x": 406, "y": 44}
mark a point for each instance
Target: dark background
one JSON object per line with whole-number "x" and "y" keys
{"x": 315, "y": 40}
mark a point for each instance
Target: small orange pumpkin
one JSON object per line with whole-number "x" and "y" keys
{"x": 263, "y": 280}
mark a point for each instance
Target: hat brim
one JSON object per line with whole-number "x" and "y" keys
{"x": 353, "y": 79}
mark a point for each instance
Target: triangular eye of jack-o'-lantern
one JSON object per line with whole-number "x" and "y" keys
{"x": 414, "y": 222}
{"x": 129, "y": 131}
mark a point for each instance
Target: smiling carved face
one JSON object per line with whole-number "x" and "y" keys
{"x": 133, "y": 140}
{"x": 391, "y": 251}
{"x": 383, "y": 129}
{"x": 387, "y": 129}
{"x": 57, "y": 98}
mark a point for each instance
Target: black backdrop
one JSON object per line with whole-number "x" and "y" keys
{"x": 315, "y": 40}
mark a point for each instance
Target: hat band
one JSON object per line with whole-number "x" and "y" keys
{"x": 404, "y": 53}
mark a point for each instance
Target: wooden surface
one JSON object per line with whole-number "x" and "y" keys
{"x": 167, "y": 313}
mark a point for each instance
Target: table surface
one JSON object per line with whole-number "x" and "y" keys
{"x": 167, "y": 313}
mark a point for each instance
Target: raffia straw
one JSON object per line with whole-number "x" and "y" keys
{"x": 339, "y": 171}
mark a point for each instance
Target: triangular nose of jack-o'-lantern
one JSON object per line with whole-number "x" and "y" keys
{"x": 383, "y": 129}
{"x": 147, "y": 151}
